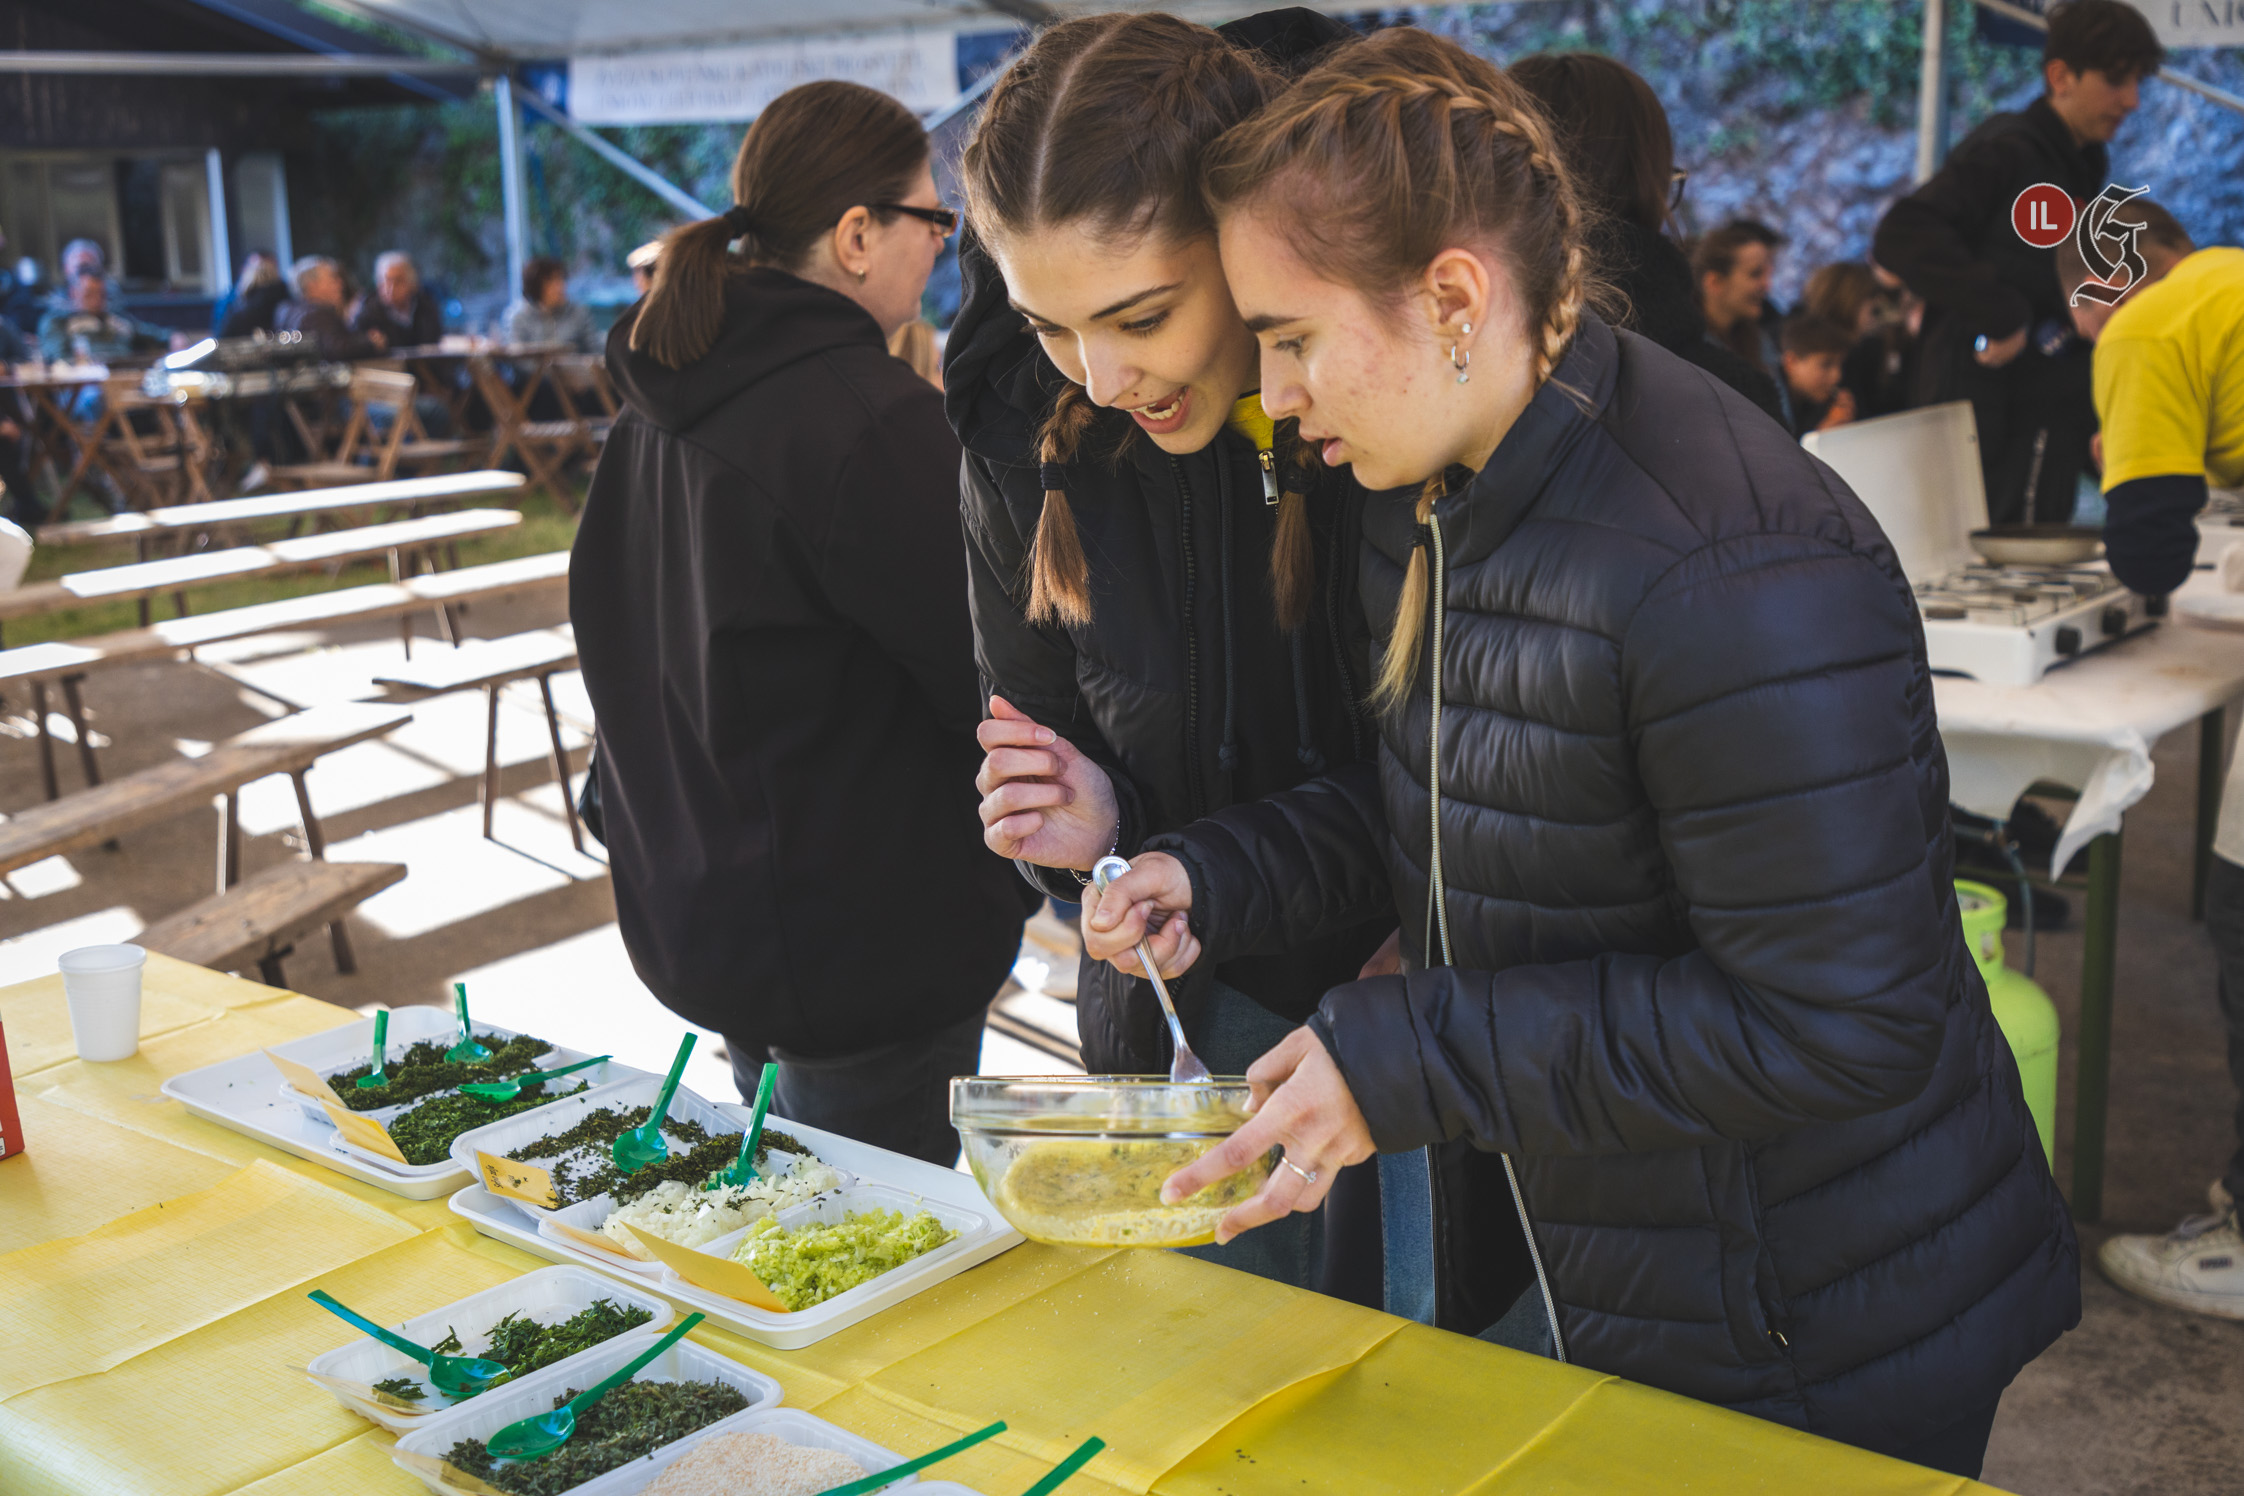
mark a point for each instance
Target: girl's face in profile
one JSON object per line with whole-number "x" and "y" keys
{"x": 1143, "y": 326}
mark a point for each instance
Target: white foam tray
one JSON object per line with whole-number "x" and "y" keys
{"x": 510, "y": 1133}
{"x": 549, "y": 1296}
{"x": 243, "y": 1094}
{"x": 833, "y": 1206}
{"x": 535, "y": 1393}
{"x": 941, "y": 1188}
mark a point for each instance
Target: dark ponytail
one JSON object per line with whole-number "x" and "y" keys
{"x": 815, "y": 153}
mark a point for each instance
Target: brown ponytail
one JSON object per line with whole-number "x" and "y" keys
{"x": 1047, "y": 152}
{"x": 1293, "y": 549}
{"x": 1399, "y": 146}
{"x": 815, "y": 153}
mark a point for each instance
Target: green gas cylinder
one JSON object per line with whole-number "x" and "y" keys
{"x": 2028, "y": 1018}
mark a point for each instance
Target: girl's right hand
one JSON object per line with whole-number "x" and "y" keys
{"x": 1042, "y": 800}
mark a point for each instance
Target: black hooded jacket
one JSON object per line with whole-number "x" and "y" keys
{"x": 1182, "y": 687}
{"x": 770, "y": 606}
{"x": 1710, "y": 988}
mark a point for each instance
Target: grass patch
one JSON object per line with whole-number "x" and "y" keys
{"x": 546, "y": 526}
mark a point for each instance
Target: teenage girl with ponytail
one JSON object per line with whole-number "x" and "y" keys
{"x": 1162, "y": 580}
{"x": 1659, "y": 800}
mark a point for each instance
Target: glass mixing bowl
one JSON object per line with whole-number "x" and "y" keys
{"x": 1079, "y": 1160}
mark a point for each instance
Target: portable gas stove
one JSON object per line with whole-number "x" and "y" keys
{"x": 1918, "y": 474}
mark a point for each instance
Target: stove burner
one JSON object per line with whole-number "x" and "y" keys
{"x": 2013, "y": 595}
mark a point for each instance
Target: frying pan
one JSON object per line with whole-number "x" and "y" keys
{"x": 2038, "y": 545}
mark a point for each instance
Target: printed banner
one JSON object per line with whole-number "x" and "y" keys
{"x": 721, "y": 84}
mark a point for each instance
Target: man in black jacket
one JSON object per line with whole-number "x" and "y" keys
{"x": 1995, "y": 327}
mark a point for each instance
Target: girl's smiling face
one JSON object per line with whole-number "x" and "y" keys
{"x": 1143, "y": 326}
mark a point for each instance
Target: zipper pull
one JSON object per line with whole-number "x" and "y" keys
{"x": 1269, "y": 461}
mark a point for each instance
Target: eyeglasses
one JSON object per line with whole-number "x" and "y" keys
{"x": 1675, "y": 182}
{"x": 943, "y": 218}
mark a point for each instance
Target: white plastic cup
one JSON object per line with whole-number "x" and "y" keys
{"x": 102, "y": 986}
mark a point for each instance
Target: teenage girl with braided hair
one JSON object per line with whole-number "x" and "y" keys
{"x": 1161, "y": 581}
{"x": 1659, "y": 799}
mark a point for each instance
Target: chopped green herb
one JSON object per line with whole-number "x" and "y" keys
{"x": 523, "y": 1345}
{"x": 424, "y": 1134}
{"x": 583, "y": 1168}
{"x": 450, "y": 1344}
{"x": 403, "y": 1388}
{"x": 634, "y": 1420}
{"x": 813, "y": 1262}
{"x": 424, "y": 1069}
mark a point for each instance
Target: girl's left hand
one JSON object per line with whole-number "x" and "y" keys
{"x": 1302, "y": 1104}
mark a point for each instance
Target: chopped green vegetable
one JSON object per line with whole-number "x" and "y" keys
{"x": 405, "y": 1389}
{"x": 450, "y": 1344}
{"x": 523, "y": 1345}
{"x": 425, "y": 1133}
{"x": 634, "y": 1420}
{"x": 583, "y": 1168}
{"x": 424, "y": 1070}
{"x": 811, "y": 1263}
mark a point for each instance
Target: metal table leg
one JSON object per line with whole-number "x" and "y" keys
{"x": 2092, "y": 1082}
{"x": 2211, "y": 738}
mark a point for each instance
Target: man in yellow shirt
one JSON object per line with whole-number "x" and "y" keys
{"x": 2169, "y": 383}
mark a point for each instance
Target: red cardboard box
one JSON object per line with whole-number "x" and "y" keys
{"x": 11, "y": 1129}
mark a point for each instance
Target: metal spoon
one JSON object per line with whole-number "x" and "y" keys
{"x": 542, "y": 1433}
{"x": 457, "y": 1376}
{"x": 743, "y": 1170}
{"x": 376, "y": 1078}
{"x": 467, "y": 1051}
{"x": 1184, "y": 1066}
{"x": 507, "y": 1090}
{"x": 641, "y": 1146}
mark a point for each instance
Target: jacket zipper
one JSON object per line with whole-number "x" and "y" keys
{"x": 1193, "y": 781}
{"x": 1437, "y": 916}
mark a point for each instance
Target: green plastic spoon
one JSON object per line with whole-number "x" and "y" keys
{"x": 642, "y": 1146}
{"x": 913, "y": 1467}
{"x": 1060, "y": 1473}
{"x": 467, "y": 1051}
{"x": 456, "y": 1376}
{"x": 507, "y": 1090}
{"x": 743, "y": 1170}
{"x": 376, "y": 1078}
{"x": 542, "y": 1433}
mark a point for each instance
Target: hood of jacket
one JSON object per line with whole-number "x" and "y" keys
{"x": 997, "y": 383}
{"x": 772, "y": 320}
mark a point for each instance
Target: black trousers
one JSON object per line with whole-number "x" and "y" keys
{"x": 2035, "y": 416}
{"x": 2224, "y": 921}
{"x": 897, "y": 1096}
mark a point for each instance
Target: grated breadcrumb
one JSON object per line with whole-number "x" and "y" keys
{"x": 755, "y": 1465}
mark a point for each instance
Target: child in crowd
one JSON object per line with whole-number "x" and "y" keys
{"x": 1814, "y": 350}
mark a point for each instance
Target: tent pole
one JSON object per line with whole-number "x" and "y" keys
{"x": 631, "y": 166}
{"x": 218, "y": 276}
{"x": 510, "y": 183}
{"x": 1932, "y": 92}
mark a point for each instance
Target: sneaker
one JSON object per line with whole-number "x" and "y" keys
{"x": 2198, "y": 1266}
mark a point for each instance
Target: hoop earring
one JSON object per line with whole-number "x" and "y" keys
{"x": 1462, "y": 362}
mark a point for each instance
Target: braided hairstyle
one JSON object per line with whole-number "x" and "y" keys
{"x": 1102, "y": 123}
{"x": 1398, "y": 147}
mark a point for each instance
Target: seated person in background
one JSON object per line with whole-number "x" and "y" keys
{"x": 642, "y": 263}
{"x": 316, "y": 311}
{"x": 256, "y": 296}
{"x": 545, "y": 314}
{"x": 2168, "y": 379}
{"x": 1874, "y": 305}
{"x": 1813, "y": 352}
{"x": 89, "y": 329}
{"x": 83, "y": 257}
{"x": 401, "y": 309}
{"x": 1733, "y": 266}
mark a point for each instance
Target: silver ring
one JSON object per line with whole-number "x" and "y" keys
{"x": 1309, "y": 1176}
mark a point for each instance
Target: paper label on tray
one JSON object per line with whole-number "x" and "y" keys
{"x": 304, "y": 1078}
{"x": 525, "y": 1182}
{"x": 362, "y": 1131}
{"x": 719, "y": 1275}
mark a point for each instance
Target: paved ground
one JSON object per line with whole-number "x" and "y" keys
{"x": 2139, "y": 1399}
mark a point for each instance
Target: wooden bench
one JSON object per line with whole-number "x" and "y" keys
{"x": 405, "y": 542}
{"x": 258, "y": 921}
{"x": 488, "y": 666}
{"x": 187, "y": 520}
{"x": 289, "y": 745}
{"x": 68, "y": 662}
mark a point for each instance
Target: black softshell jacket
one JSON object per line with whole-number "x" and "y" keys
{"x": 1710, "y": 989}
{"x": 771, "y": 610}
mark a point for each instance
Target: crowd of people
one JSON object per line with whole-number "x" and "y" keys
{"x": 1360, "y": 508}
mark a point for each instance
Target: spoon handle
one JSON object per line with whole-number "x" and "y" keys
{"x": 460, "y": 1001}
{"x": 913, "y": 1467}
{"x": 1060, "y": 1474}
{"x": 381, "y": 1039}
{"x": 748, "y": 1140}
{"x": 584, "y": 1400}
{"x": 1105, "y": 871}
{"x": 420, "y": 1353}
{"x": 598, "y": 1059}
{"x": 670, "y": 1082}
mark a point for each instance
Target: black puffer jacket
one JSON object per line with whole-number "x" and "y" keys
{"x": 1710, "y": 988}
{"x": 1183, "y": 667}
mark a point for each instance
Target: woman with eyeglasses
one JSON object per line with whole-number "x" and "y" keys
{"x": 770, "y": 602}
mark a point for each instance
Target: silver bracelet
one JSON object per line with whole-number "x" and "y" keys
{"x": 1114, "y": 849}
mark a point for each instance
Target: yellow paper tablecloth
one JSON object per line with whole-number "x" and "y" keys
{"x": 153, "y": 1270}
